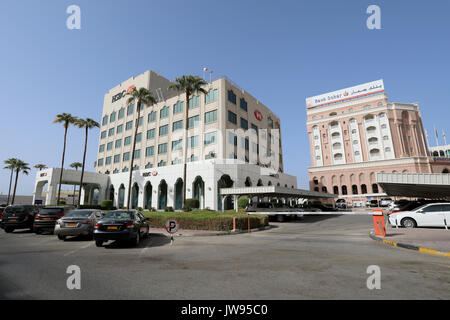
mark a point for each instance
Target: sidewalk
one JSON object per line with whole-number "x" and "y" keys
{"x": 437, "y": 239}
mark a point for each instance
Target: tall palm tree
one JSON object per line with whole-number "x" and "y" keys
{"x": 189, "y": 85}
{"x": 10, "y": 165}
{"x": 66, "y": 119}
{"x": 87, "y": 124}
{"x": 75, "y": 165}
{"x": 23, "y": 167}
{"x": 40, "y": 166}
{"x": 142, "y": 96}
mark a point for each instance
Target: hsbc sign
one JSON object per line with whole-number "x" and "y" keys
{"x": 123, "y": 93}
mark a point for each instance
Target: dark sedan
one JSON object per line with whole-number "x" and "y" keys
{"x": 18, "y": 217}
{"x": 47, "y": 217}
{"x": 77, "y": 223}
{"x": 122, "y": 225}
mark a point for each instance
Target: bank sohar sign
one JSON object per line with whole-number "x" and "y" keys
{"x": 345, "y": 94}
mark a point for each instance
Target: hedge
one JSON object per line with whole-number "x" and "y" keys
{"x": 207, "y": 220}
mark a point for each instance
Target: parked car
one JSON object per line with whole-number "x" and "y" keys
{"x": 122, "y": 225}
{"x": 341, "y": 204}
{"x": 279, "y": 211}
{"x": 384, "y": 202}
{"x": 46, "y": 218}
{"x": 373, "y": 204}
{"x": 77, "y": 222}
{"x": 18, "y": 217}
{"x": 428, "y": 215}
{"x": 397, "y": 204}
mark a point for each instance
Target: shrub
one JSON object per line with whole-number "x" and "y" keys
{"x": 91, "y": 206}
{"x": 139, "y": 209}
{"x": 192, "y": 204}
{"x": 107, "y": 204}
{"x": 168, "y": 209}
{"x": 62, "y": 202}
{"x": 243, "y": 202}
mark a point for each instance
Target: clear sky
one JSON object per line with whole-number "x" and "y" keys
{"x": 279, "y": 51}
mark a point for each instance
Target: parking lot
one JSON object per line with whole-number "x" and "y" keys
{"x": 318, "y": 258}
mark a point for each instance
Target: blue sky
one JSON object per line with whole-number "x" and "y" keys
{"x": 279, "y": 51}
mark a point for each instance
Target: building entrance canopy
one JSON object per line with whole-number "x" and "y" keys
{"x": 417, "y": 185}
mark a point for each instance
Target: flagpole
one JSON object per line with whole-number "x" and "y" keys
{"x": 437, "y": 137}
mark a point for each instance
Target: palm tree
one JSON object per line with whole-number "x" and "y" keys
{"x": 189, "y": 84}
{"x": 66, "y": 119}
{"x": 10, "y": 165}
{"x": 75, "y": 165}
{"x": 40, "y": 166}
{"x": 87, "y": 123}
{"x": 19, "y": 166}
{"x": 142, "y": 96}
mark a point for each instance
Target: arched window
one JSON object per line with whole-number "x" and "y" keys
{"x": 316, "y": 189}
{"x": 445, "y": 170}
{"x": 373, "y": 140}
{"x": 344, "y": 190}
{"x": 333, "y": 114}
{"x": 354, "y": 189}
{"x": 363, "y": 189}
{"x": 338, "y": 156}
{"x": 335, "y": 135}
{"x": 374, "y": 188}
{"x": 335, "y": 190}
{"x": 324, "y": 189}
{"x": 337, "y": 145}
{"x": 375, "y": 152}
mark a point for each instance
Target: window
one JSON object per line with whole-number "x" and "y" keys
{"x": 357, "y": 153}
{"x": 243, "y": 104}
{"x": 109, "y": 146}
{"x": 210, "y": 137}
{"x": 178, "y": 107}
{"x": 103, "y": 135}
{"x": 130, "y": 109}
{"x": 108, "y": 160}
{"x": 164, "y": 113}
{"x": 387, "y": 149}
{"x": 140, "y": 121}
{"x": 232, "y": 138}
{"x": 126, "y": 156}
{"x": 194, "y": 102}
{"x": 152, "y": 116}
{"x": 139, "y": 137}
{"x": 112, "y": 117}
{"x": 125, "y": 169}
{"x": 353, "y": 131}
{"x": 210, "y": 155}
{"x": 121, "y": 113}
{"x": 129, "y": 125}
{"x": 119, "y": 129}
{"x": 162, "y": 163}
{"x": 105, "y": 120}
{"x": 232, "y": 117}
{"x": 136, "y": 167}
{"x": 177, "y": 145}
{"x": 116, "y": 171}
{"x": 117, "y": 158}
{"x": 127, "y": 141}
{"x": 386, "y": 138}
{"x": 193, "y": 142}
{"x": 100, "y": 162}
{"x": 246, "y": 144}
{"x": 176, "y": 161}
{"x": 193, "y": 121}
{"x": 162, "y": 148}
{"x": 231, "y": 96}
{"x": 149, "y": 151}
{"x": 211, "y": 96}
{"x": 192, "y": 158}
{"x": 118, "y": 143}
{"x": 148, "y": 165}
{"x": 383, "y": 126}
{"x": 177, "y": 125}
{"x": 338, "y": 156}
{"x": 244, "y": 124}
{"x": 211, "y": 116}
{"x": 137, "y": 154}
{"x": 164, "y": 130}
{"x": 101, "y": 148}
{"x": 151, "y": 134}
{"x": 111, "y": 132}
{"x": 255, "y": 128}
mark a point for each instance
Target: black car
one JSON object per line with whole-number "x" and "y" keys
{"x": 122, "y": 225}
{"x": 46, "y": 218}
{"x": 18, "y": 217}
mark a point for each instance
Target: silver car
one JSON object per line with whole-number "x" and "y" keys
{"x": 77, "y": 222}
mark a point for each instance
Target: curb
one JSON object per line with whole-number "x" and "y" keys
{"x": 409, "y": 246}
{"x": 219, "y": 233}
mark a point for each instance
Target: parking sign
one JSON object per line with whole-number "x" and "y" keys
{"x": 171, "y": 226}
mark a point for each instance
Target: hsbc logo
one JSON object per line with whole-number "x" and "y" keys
{"x": 258, "y": 115}
{"x": 123, "y": 93}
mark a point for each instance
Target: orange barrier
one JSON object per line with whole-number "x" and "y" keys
{"x": 378, "y": 222}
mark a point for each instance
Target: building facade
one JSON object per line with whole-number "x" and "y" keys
{"x": 232, "y": 140}
{"x": 356, "y": 133}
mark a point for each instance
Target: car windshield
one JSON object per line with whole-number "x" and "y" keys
{"x": 119, "y": 215}
{"x": 51, "y": 210}
{"x": 79, "y": 214}
{"x": 420, "y": 208}
{"x": 15, "y": 209}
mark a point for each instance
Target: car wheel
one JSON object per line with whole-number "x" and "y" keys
{"x": 60, "y": 237}
{"x": 98, "y": 243}
{"x": 408, "y": 223}
{"x": 138, "y": 239}
{"x": 9, "y": 229}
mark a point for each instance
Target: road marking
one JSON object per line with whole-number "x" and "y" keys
{"x": 76, "y": 250}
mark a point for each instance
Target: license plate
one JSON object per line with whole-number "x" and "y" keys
{"x": 13, "y": 220}
{"x": 47, "y": 218}
{"x": 113, "y": 228}
{"x": 71, "y": 224}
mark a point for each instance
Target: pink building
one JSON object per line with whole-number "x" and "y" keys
{"x": 356, "y": 132}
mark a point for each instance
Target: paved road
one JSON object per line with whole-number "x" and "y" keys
{"x": 318, "y": 258}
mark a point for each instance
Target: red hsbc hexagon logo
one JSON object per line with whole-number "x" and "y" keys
{"x": 154, "y": 173}
{"x": 258, "y": 115}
